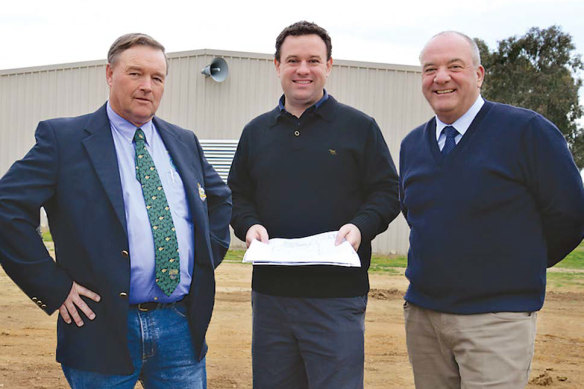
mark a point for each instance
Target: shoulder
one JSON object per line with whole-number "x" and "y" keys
{"x": 182, "y": 133}
{"x": 507, "y": 111}
{"x": 75, "y": 122}
{"x": 343, "y": 112}
{"x": 357, "y": 126}
{"x": 267, "y": 119}
{"x": 70, "y": 129}
{"x": 516, "y": 115}
{"x": 259, "y": 125}
{"x": 512, "y": 119}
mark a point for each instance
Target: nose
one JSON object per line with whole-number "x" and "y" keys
{"x": 146, "y": 84}
{"x": 441, "y": 76}
{"x": 303, "y": 68}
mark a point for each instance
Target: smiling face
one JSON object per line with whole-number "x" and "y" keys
{"x": 450, "y": 80}
{"x": 303, "y": 70}
{"x": 136, "y": 81}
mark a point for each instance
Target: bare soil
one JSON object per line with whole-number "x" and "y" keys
{"x": 28, "y": 337}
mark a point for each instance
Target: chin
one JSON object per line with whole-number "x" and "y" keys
{"x": 443, "y": 109}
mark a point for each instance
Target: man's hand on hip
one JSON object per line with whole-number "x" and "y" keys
{"x": 351, "y": 234}
{"x": 257, "y": 232}
{"x": 68, "y": 310}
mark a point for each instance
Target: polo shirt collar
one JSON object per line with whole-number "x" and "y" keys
{"x": 323, "y": 107}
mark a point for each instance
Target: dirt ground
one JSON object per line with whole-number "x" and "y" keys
{"x": 27, "y": 337}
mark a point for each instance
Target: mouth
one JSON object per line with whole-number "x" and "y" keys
{"x": 302, "y": 82}
{"x": 444, "y": 91}
{"x": 142, "y": 99}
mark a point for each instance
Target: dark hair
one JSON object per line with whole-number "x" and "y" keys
{"x": 127, "y": 41}
{"x": 304, "y": 28}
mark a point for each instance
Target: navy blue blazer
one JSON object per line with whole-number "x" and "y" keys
{"x": 72, "y": 171}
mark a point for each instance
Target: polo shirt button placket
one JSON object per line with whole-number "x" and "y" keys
{"x": 297, "y": 132}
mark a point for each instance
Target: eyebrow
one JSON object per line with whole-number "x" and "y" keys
{"x": 309, "y": 57}
{"x": 141, "y": 69}
{"x": 448, "y": 63}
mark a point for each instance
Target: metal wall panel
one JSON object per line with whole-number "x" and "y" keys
{"x": 219, "y": 153}
{"x": 218, "y": 110}
{"x": 28, "y": 96}
{"x": 215, "y": 111}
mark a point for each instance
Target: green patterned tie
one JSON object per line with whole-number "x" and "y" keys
{"x": 163, "y": 231}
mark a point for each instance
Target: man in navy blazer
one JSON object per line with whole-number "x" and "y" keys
{"x": 82, "y": 171}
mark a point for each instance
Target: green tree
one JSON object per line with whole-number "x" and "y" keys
{"x": 538, "y": 71}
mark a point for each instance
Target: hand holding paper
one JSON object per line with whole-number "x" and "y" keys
{"x": 313, "y": 250}
{"x": 351, "y": 234}
{"x": 256, "y": 232}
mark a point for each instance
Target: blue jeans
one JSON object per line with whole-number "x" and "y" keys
{"x": 162, "y": 355}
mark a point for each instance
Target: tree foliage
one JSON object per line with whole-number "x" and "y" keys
{"x": 538, "y": 71}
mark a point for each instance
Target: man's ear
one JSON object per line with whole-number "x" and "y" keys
{"x": 329, "y": 66}
{"x": 109, "y": 72}
{"x": 480, "y": 75}
{"x": 277, "y": 65}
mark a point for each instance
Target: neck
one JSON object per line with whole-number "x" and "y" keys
{"x": 295, "y": 110}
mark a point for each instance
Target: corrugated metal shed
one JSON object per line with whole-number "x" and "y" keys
{"x": 215, "y": 111}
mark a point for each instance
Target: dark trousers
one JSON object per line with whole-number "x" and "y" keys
{"x": 308, "y": 342}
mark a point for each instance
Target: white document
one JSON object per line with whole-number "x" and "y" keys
{"x": 313, "y": 250}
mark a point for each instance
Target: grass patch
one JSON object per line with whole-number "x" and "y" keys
{"x": 46, "y": 235}
{"x": 234, "y": 256}
{"x": 565, "y": 279}
{"x": 574, "y": 260}
{"x": 388, "y": 264}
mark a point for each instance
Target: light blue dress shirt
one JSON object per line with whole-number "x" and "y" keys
{"x": 143, "y": 287}
{"x": 461, "y": 124}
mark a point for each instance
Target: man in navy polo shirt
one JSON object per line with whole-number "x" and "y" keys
{"x": 310, "y": 166}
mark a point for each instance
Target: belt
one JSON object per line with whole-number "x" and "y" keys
{"x": 151, "y": 306}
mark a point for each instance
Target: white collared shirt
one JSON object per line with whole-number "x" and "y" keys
{"x": 461, "y": 124}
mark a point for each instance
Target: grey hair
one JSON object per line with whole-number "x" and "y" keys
{"x": 475, "y": 53}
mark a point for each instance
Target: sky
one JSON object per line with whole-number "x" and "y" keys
{"x": 44, "y": 32}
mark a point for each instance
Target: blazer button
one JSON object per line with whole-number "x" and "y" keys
{"x": 34, "y": 299}
{"x": 123, "y": 294}
{"x": 39, "y": 303}
{"x": 125, "y": 253}
{"x": 44, "y": 306}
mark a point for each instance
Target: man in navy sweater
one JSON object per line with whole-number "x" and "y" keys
{"x": 493, "y": 197}
{"x": 309, "y": 166}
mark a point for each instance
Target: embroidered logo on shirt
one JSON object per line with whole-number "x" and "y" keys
{"x": 332, "y": 151}
{"x": 202, "y": 194}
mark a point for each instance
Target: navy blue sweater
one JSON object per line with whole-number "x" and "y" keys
{"x": 300, "y": 177}
{"x": 487, "y": 219}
